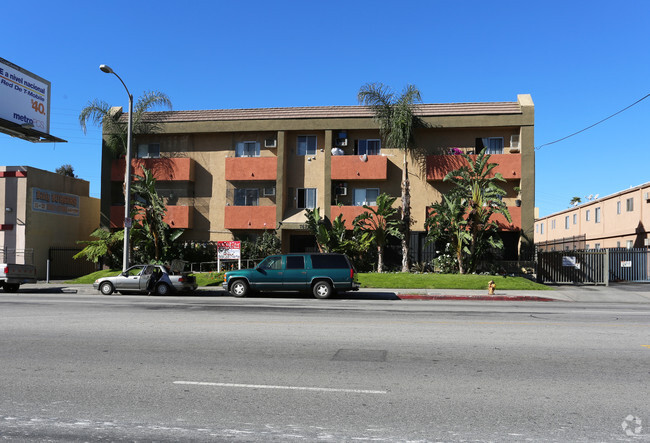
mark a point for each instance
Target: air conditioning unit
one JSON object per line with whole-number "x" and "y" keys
{"x": 270, "y": 143}
{"x": 343, "y": 189}
{"x": 341, "y": 142}
{"x": 268, "y": 192}
{"x": 514, "y": 141}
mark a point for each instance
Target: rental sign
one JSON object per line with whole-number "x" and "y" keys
{"x": 24, "y": 97}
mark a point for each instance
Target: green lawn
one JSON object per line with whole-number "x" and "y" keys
{"x": 385, "y": 280}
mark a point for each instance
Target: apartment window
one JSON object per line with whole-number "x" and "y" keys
{"x": 306, "y": 145}
{"x": 588, "y": 215}
{"x": 618, "y": 244}
{"x": 629, "y": 205}
{"x": 492, "y": 145}
{"x": 566, "y": 222}
{"x": 306, "y": 198}
{"x": 369, "y": 147}
{"x": 575, "y": 219}
{"x": 597, "y": 246}
{"x": 366, "y": 197}
{"x": 618, "y": 207}
{"x": 148, "y": 150}
{"x": 541, "y": 228}
{"x": 537, "y": 228}
{"x": 552, "y": 224}
{"x": 246, "y": 197}
{"x": 629, "y": 244}
{"x": 597, "y": 215}
{"x": 247, "y": 149}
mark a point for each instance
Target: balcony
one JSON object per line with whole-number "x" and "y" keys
{"x": 176, "y": 217}
{"x": 509, "y": 165}
{"x": 504, "y": 225}
{"x": 352, "y": 167}
{"x": 250, "y": 217}
{"x": 251, "y": 168}
{"x": 163, "y": 169}
{"x": 349, "y": 213}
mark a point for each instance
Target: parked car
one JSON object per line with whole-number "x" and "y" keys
{"x": 320, "y": 274}
{"x": 159, "y": 279}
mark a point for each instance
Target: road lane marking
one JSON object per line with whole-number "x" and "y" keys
{"x": 290, "y": 388}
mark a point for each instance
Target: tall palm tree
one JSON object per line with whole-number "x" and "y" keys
{"x": 100, "y": 113}
{"x": 397, "y": 122}
{"x": 379, "y": 223}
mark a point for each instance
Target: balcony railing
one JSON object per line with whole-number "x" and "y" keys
{"x": 163, "y": 169}
{"x": 349, "y": 213}
{"x": 504, "y": 225}
{"x": 176, "y": 217}
{"x": 249, "y": 217}
{"x": 355, "y": 167}
{"x": 251, "y": 168}
{"x": 509, "y": 165}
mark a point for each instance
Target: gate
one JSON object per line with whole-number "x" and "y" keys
{"x": 629, "y": 265}
{"x": 588, "y": 266}
{"x": 63, "y": 265}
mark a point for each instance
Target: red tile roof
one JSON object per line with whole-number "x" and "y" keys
{"x": 305, "y": 112}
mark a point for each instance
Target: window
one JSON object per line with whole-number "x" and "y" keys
{"x": 597, "y": 246}
{"x": 597, "y": 215}
{"x": 369, "y": 147}
{"x": 629, "y": 205}
{"x": 492, "y": 145}
{"x": 274, "y": 262}
{"x": 151, "y": 150}
{"x": 334, "y": 261}
{"x": 588, "y": 215}
{"x": 366, "y": 196}
{"x": 306, "y": 145}
{"x": 295, "y": 262}
{"x": 537, "y": 228}
{"x": 629, "y": 244}
{"x": 575, "y": 219}
{"x": 552, "y": 224}
{"x": 618, "y": 207}
{"x": 566, "y": 222}
{"x": 306, "y": 198}
{"x": 618, "y": 244}
{"x": 541, "y": 228}
{"x": 246, "y": 197}
{"x": 247, "y": 149}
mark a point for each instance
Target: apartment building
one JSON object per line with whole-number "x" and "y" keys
{"x": 224, "y": 173}
{"x": 620, "y": 220}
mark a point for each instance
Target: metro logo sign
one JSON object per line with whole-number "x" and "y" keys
{"x": 24, "y": 97}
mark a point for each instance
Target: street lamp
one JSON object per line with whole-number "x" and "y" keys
{"x": 127, "y": 172}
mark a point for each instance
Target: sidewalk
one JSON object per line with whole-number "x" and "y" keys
{"x": 616, "y": 293}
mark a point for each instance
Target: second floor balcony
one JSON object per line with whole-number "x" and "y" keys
{"x": 349, "y": 213}
{"x": 250, "y": 217}
{"x": 251, "y": 168}
{"x": 176, "y": 217}
{"x": 438, "y": 166}
{"x": 163, "y": 169}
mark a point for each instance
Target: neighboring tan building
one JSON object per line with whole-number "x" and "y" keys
{"x": 619, "y": 220}
{"x": 224, "y": 173}
{"x": 40, "y": 211}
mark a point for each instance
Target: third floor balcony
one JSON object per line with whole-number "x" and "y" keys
{"x": 509, "y": 165}
{"x": 355, "y": 167}
{"x": 163, "y": 169}
{"x": 251, "y": 168}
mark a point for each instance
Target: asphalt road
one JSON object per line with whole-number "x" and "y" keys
{"x": 77, "y": 367}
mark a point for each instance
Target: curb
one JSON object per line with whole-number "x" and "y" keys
{"x": 473, "y": 297}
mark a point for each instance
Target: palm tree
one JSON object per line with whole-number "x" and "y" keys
{"x": 479, "y": 192}
{"x": 380, "y": 223}
{"x": 397, "y": 123}
{"x": 102, "y": 114}
{"x": 446, "y": 223}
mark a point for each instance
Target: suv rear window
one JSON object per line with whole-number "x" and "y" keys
{"x": 329, "y": 262}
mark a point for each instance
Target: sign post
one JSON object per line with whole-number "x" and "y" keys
{"x": 228, "y": 250}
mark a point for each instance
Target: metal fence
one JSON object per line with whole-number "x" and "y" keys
{"x": 631, "y": 265}
{"x": 581, "y": 267}
{"x": 63, "y": 265}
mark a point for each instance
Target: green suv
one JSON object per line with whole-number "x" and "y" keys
{"x": 321, "y": 274}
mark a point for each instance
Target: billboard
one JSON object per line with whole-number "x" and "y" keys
{"x": 24, "y": 98}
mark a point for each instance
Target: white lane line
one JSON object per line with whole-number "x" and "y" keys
{"x": 291, "y": 388}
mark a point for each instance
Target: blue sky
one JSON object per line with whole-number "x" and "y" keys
{"x": 580, "y": 61}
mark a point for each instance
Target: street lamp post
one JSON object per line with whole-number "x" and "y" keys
{"x": 127, "y": 172}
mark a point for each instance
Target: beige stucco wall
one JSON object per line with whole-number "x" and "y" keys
{"x": 613, "y": 230}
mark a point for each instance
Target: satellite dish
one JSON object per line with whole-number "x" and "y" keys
{"x": 591, "y": 196}
{"x": 364, "y": 158}
{"x": 596, "y": 196}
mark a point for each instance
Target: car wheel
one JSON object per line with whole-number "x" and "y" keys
{"x": 11, "y": 287}
{"x": 162, "y": 289}
{"x": 106, "y": 288}
{"x": 239, "y": 288}
{"x": 322, "y": 289}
